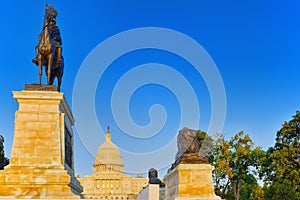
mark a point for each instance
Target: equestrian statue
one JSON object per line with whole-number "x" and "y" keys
{"x": 49, "y": 50}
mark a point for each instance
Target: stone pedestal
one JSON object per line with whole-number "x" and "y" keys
{"x": 150, "y": 192}
{"x": 190, "y": 182}
{"x": 41, "y": 162}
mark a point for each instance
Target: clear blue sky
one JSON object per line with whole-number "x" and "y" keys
{"x": 254, "y": 44}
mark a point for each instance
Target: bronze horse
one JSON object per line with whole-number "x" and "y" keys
{"x": 46, "y": 51}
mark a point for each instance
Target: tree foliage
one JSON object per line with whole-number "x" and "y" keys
{"x": 283, "y": 190}
{"x": 237, "y": 162}
{"x": 250, "y": 190}
{"x": 3, "y": 160}
{"x": 286, "y": 154}
{"x": 234, "y": 161}
{"x": 282, "y": 163}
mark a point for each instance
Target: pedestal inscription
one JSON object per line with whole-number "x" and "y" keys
{"x": 68, "y": 149}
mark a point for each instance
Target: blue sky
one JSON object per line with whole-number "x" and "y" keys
{"x": 254, "y": 44}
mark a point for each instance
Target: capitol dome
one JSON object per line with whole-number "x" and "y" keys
{"x": 108, "y": 157}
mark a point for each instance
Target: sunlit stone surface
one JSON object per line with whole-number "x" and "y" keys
{"x": 151, "y": 192}
{"x": 41, "y": 163}
{"x": 190, "y": 182}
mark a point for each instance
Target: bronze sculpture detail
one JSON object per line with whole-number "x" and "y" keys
{"x": 48, "y": 50}
{"x": 153, "y": 177}
{"x": 188, "y": 149}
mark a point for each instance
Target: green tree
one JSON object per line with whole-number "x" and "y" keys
{"x": 234, "y": 161}
{"x": 3, "y": 160}
{"x": 282, "y": 163}
{"x": 286, "y": 154}
{"x": 283, "y": 190}
{"x": 250, "y": 190}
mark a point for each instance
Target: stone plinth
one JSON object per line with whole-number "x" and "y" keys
{"x": 151, "y": 192}
{"x": 41, "y": 162}
{"x": 190, "y": 182}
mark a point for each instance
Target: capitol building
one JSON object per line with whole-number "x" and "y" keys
{"x": 108, "y": 180}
